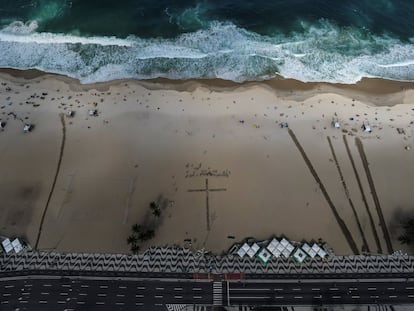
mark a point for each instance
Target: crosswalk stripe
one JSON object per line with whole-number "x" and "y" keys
{"x": 217, "y": 293}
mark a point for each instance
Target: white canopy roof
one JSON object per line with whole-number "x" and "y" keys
{"x": 17, "y": 246}
{"x": 7, "y": 245}
{"x": 253, "y": 250}
{"x": 273, "y": 245}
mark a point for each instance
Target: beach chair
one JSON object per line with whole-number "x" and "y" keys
{"x": 93, "y": 112}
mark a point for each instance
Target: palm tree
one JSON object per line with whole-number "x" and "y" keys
{"x": 136, "y": 229}
{"x": 132, "y": 239}
{"x": 135, "y": 248}
{"x": 147, "y": 235}
{"x": 408, "y": 236}
{"x": 156, "y": 211}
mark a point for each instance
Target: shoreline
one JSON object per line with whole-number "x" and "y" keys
{"x": 371, "y": 87}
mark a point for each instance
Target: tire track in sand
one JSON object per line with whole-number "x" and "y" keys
{"x": 364, "y": 199}
{"x": 344, "y": 185}
{"x": 339, "y": 220}
{"x": 365, "y": 163}
{"x": 62, "y": 148}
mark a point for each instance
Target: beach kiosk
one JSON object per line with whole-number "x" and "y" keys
{"x": 299, "y": 255}
{"x": 264, "y": 255}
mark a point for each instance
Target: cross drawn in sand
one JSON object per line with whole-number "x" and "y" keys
{"x": 207, "y": 190}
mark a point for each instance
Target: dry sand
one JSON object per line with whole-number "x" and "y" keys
{"x": 153, "y": 141}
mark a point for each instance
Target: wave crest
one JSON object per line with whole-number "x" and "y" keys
{"x": 321, "y": 52}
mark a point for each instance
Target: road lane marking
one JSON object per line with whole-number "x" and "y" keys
{"x": 44, "y": 293}
{"x": 47, "y": 285}
{"x": 316, "y": 289}
{"x": 278, "y": 289}
{"x": 178, "y": 297}
{"x": 65, "y": 285}
{"x": 139, "y": 303}
{"x": 25, "y": 294}
{"x": 197, "y": 297}
{"x": 139, "y": 296}
{"x": 279, "y": 297}
{"x": 298, "y": 297}
{"x": 119, "y": 303}
{"x": 355, "y": 297}
{"x": 391, "y": 288}
{"x": 80, "y": 302}
{"x": 410, "y": 296}
{"x": 196, "y": 288}
{"x": 333, "y": 288}
{"x": 42, "y": 301}
{"x": 141, "y": 287}
{"x": 122, "y": 287}
{"x": 63, "y": 294}
{"x": 374, "y": 296}
{"x": 318, "y": 297}
{"x": 178, "y": 288}
{"x": 296, "y": 289}
{"x": 61, "y": 301}
{"x": 101, "y": 295}
{"x": 28, "y": 285}
{"x": 8, "y": 286}
{"x": 158, "y": 304}
{"x": 84, "y": 286}
{"x": 23, "y": 301}
{"x": 158, "y": 296}
{"x": 393, "y": 296}
{"x": 100, "y": 303}
{"x": 250, "y": 289}
{"x": 103, "y": 286}
{"x": 120, "y": 295}
{"x": 83, "y": 294}
{"x": 243, "y": 297}
{"x": 159, "y": 288}
{"x": 336, "y": 297}
{"x": 372, "y": 288}
{"x": 6, "y": 295}
{"x": 409, "y": 288}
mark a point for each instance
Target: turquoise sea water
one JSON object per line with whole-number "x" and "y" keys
{"x": 319, "y": 40}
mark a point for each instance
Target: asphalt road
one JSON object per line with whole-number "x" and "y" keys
{"x": 45, "y": 292}
{"x": 106, "y": 294}
{"x": 319, "y": 292}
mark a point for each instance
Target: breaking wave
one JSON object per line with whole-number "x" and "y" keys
{"x": 323, "y": 51}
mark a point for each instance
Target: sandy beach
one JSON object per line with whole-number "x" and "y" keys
{"x": 85, "y": 180}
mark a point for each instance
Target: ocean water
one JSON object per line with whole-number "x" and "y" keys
{"x": 238, "y": 40}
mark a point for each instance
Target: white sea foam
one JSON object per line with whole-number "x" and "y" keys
{"x": 322, "y": 52}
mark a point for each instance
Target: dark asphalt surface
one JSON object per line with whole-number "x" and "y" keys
{"x": 70, "y": 293}
{"x": 315, "y": 292}
{"x": 76, "y": 294}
